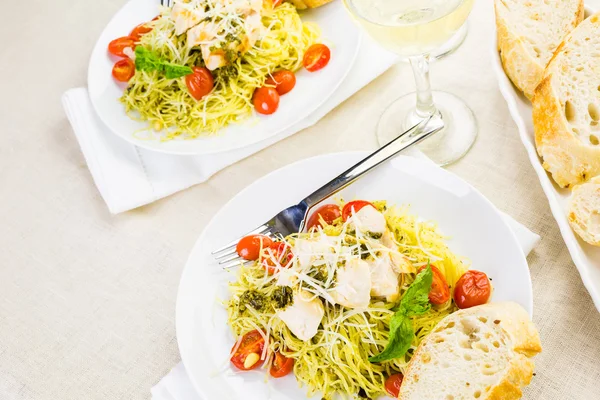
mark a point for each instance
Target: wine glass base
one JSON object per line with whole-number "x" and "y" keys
{"x": 443, "y": 148}
{"x": 453, "y": 44}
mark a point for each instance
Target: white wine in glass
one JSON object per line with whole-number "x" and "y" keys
{"x": 414, "y": 29}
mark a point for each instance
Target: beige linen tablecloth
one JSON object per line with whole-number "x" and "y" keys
{"x": 87, "y": 299}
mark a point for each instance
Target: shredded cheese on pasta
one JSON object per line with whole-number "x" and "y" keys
{"x": 166, "y": 104}
{"x": 336, "y": 360}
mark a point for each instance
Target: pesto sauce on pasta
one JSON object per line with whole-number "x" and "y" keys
{"x": 336, "y": 360}
{"x": 165, "y": 104}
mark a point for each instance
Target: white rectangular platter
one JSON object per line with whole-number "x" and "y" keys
{"x": 586, "y": 257}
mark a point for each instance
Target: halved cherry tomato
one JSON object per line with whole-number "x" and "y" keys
{"x": 316, "y": 57}
{"x": 439, "y": 293}
{"x": 393, "y": 383}
{"x": 276, "y": 3}
{"x": 249, "y": 246}
{"x": 354, "y": 207}
{"x": 200, "y": 82}
{"x": 277, "y": 254}
{"x": 123, "y": 70}
{"x": 328, "y": 212}
{"x": 252, "y": 345}
{"x": 117, "y": 46}
{"x": 266, "y": 100}
{"x": 139, "y": 30}
{"x": 283, "y": 80}
{"x": 282, "y": 365}
{"x": 472, "y": 289}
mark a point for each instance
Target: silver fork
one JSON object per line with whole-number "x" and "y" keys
{"x": 166, "y": 3}
{"x": 291, "y": 220}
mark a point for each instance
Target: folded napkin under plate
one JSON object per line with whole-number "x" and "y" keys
{"x": 128, "y": 176}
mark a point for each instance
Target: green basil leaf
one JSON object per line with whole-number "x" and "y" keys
{"x": 416, "y": 299}
{"x": 146, "y": 60}
{"x": 402, "y": 335}
{"x": 173, "y": 71}
{"x": 414, "y": 302}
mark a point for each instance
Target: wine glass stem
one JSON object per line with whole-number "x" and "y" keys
{"x": 425, "y": 106}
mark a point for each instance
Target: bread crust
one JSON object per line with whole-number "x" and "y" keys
{"x": 518, "y": 375}
{"x": 522, "y": 68}
{"x": 564, "y": 155}
{"x": 525, "y": 342}
{"x": 584, "y": 205}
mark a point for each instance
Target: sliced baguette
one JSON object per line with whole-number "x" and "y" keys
{"x": 480, "y": 353}
{"x": 528, "y": 34}
{"x": 566, "y": 108}
{"x": 304, "y": 4}
{"x": 584, "y": 211}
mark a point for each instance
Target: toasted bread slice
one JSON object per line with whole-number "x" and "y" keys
{"x": 303, "y": 4}
{"x": 566, "y": 108}
{"x": 528, "y": 34}
{"x": 481, "y": 353}
{"x": 584, "y": 211}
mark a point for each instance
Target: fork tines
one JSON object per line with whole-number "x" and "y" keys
{"x": 227, "y": 255}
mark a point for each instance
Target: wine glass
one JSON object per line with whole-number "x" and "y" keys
{"x": 414, "y": 29}
{"x": 451, "y": 45}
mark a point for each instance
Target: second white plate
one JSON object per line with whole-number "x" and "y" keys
{"x": 311, "y": 91}
{"x": 475, "y": 227}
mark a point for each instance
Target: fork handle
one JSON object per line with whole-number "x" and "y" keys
{"x": 412, "y": 136}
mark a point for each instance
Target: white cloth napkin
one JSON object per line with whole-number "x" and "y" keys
{"x": 129, "y": 177}
{"x": 176, "y": 385}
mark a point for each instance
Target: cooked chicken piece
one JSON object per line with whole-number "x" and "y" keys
{"x": 304, "y": 316}
{"x": 317, "y": 251}
{"x": 368, "y": 219}
{"x": 401, "y": 264}
{"x": 384, "y": 278}
{"x": 353, "y": 285}
{"x": 186, "y": 16}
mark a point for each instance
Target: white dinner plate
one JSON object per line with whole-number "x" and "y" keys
{"x": 585, "y": 256}
{"x": 311, "y": 91}
{"x": 475, "y": 227}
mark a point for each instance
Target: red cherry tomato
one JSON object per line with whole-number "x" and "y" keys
{"x": 157, "y": 17}
{"x": 266, "y": 100}
{"x": 139, "y": 31}
{"x": 276, "y": 3}
{"x": 328, "y": 212}
{"x": 282, "y": 366}
{"x": 123, "y": 70}
{"x": 316, "y": 57}
{"x": 276, "y": 255}
{"x": 354, "y": 207}
{"x": 249, "y": 246}
{"x": 200, "y": 82}
{"x": 252, "y": 343}
{"x": 472, "y": 289}
{"x": 284, "y": 81}
{"x": 439, "y": 293}
{"x": 117, "y": 46}
{"x": 393, "y": 383}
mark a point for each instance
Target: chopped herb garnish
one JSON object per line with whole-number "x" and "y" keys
{"x": 282, "y": 297}
{"x": 254, "y": 299}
